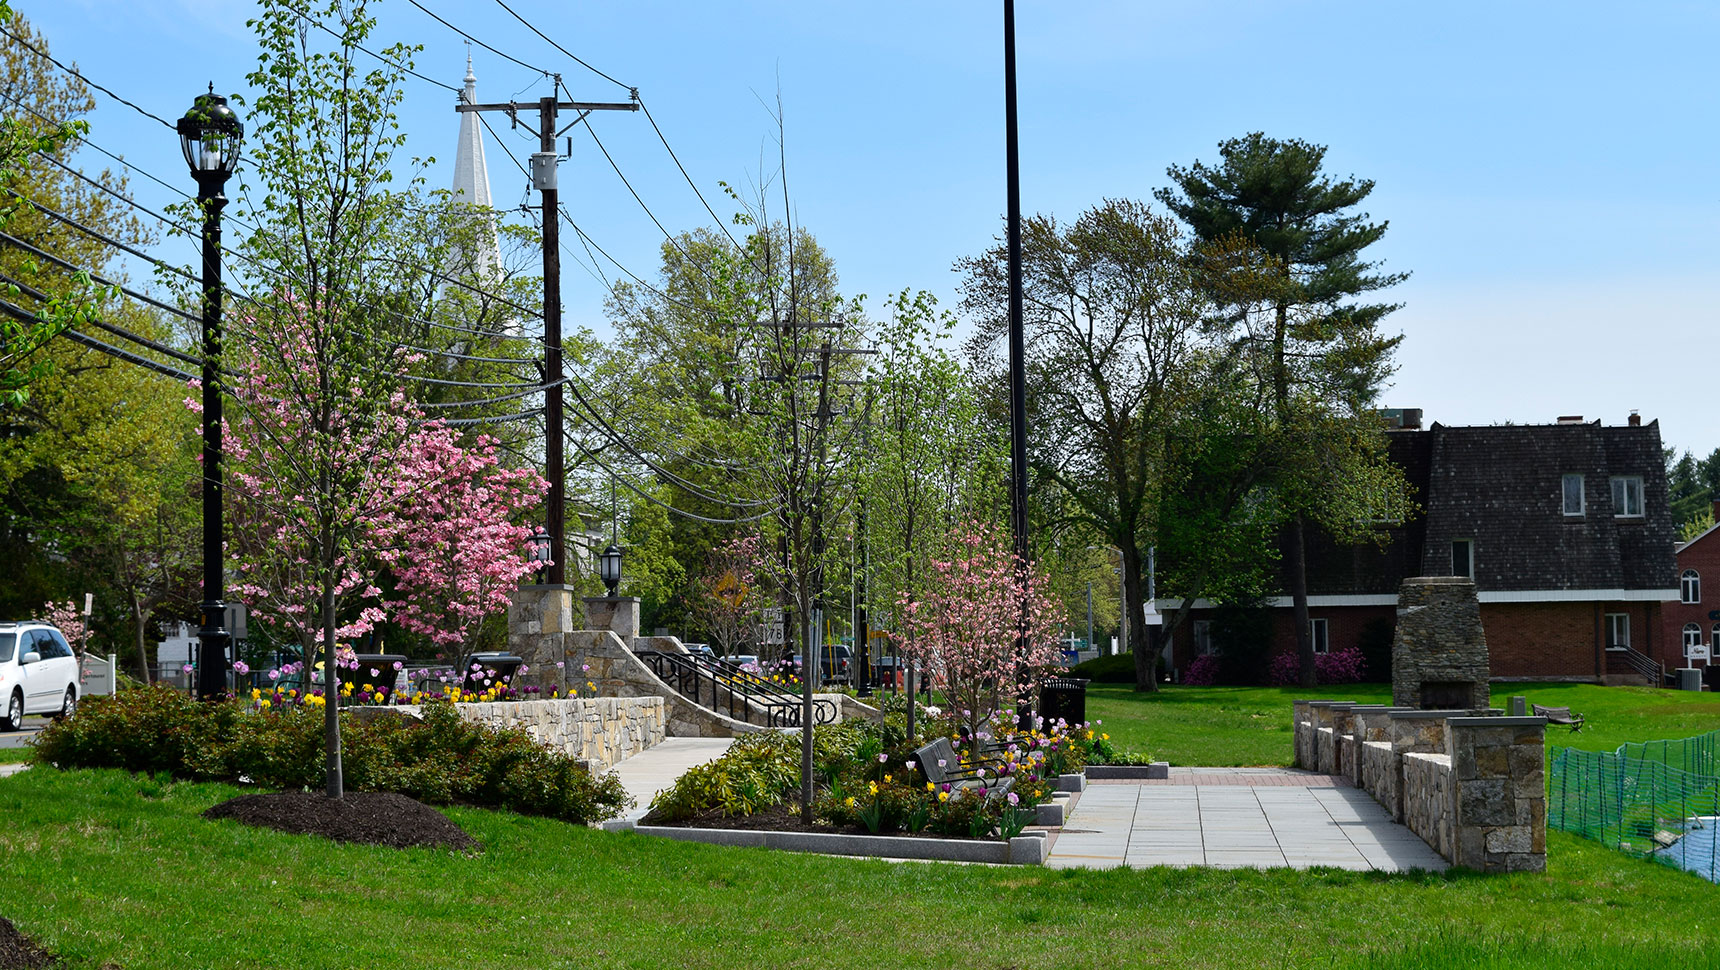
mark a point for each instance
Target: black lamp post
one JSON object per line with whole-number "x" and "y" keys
{"x": 540, "y": 553}
{"x": 609, "y": 569}
{"x": 210, "y": 135}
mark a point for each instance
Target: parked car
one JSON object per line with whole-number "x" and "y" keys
{"x": 38, "y": 673}
{"x": 743, "y": 659}
{"x": 838, "y": 663}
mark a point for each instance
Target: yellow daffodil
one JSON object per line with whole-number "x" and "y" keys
{"x": 943, "y": 796}
{"x": 886, "y": 777}
{"x": 265, "y": 705}
{"x": 850, "y": 801}
{"x": 931, "y": 787}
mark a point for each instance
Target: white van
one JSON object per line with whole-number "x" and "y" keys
{"x": 38, "y": 673}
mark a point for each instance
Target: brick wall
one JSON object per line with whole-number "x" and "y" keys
{"x": 1540, "y": 639}
{"x": 1703, "y": 555}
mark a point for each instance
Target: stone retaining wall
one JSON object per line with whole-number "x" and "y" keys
{"x": 1470, "y": 783}
{"x": 597, "y": 730}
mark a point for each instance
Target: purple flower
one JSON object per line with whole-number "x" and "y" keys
{"x": 559, "y": 664}
{"x": 398, "y": 665}
{"x": 1014, "y": 798}
{"x": 187, "y": 668}
{"x": 241, "y": 668}
{"x": 524, "y": 668}
{"x": 274, "y": 675}
{"x": 883, "y": 758}
{"x": 942, "y": 763}
{"x": 375, "y": 673}
{"x": 910, "y": 766}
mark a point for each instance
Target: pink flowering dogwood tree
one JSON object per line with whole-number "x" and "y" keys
{"x": 986, "y": 624}
{"x": 70, "y": 620}
{"x": 451, "y": 539}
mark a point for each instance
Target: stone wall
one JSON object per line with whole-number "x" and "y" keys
{"x": 600, "y": 731}
{"x": 1470, "y": 783}
{"x": 1427, "y": 799}
{"x": 1439, "y": 644}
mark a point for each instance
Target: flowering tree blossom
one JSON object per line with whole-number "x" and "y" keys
{"x": 451, "y": 539}
{"x": 70, "y": 620}
{"x": 723, "y": 601}
{"x": 986, "y": 624}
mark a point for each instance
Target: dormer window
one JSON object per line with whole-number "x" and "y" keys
{"x": 1573, "y": 493}
{"x": 1627, "y": 496}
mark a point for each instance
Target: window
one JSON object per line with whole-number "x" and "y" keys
{"x": 1627, "y": 496}
{"x": 1317, "y": 631}
{"x": 1692, "y": 638}
{"x": 1573, "y": 489}
{"x": 1690, "y": 587}
{"x": 1618, "y": 631}
{"x": 1202, "y": 637}
{"x": 1463, "y": 557}
{"x": 8, "y": 643}
{"x": 1715, "y": 642}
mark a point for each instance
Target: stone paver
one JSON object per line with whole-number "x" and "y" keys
{"x": 656, "y": 768}
{"x": 1236, "y": 818}
{"x": 12, "y": 768}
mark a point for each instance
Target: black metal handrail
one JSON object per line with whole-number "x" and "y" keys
{"x": 725, "y": 688}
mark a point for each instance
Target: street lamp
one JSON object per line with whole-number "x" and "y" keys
{"x": 210, "y": 135}
{"x": 609, "y": 569}
{"x": 540, "y": 553}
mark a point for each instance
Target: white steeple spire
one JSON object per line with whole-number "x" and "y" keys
{"x": 472, "y": 177}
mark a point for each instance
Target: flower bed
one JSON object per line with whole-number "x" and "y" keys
{"x": 868, "y": 782}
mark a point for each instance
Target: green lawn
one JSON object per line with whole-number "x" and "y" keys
{"x": 11, "y": 755}
{"x": 105, "y": 867}
{"x": 1251, "y": 725}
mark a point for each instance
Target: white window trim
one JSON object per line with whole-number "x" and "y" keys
{"x": 1625, "y": 645}
{"x": 1471, "y": 544}
{"x": 1320, "y": 632}
{"x": 1582, "y": 495}
{"x": 1692, "y": 637}
{"x": 1694, "y": 585}
{"x": 1625, "y": 512}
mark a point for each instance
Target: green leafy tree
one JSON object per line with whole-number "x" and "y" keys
{"x": 1283, "y": 252}
{"x": 1115, "y": 345}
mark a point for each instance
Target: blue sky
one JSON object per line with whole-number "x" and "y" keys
{"x": 1547, "y": 169}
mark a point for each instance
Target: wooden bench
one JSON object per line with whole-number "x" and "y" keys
{"x": 956, "y": 775}
{"x": 1559, "y": 715}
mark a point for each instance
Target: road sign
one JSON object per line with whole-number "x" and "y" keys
{"x": 772, "y": 627}
{"x": 730, "y": 589}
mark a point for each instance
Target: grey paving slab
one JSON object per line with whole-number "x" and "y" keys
{"x": 656, "y": 768}
{"x": 1237, "y": 818}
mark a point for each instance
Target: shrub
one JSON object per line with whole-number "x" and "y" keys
{"x": 438, "y": 759}
{"x": 1342, "y": 667}
{"x": 758, "y": 771}
{"x": 1203, "y": 672}
{"x": 1118, "y": 668}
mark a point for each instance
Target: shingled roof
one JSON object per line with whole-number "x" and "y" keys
{"x": 1501, "y": 487}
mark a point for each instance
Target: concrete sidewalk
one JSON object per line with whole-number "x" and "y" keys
{"x": 656, "y": 768}
{"x": 1237, "y": 818}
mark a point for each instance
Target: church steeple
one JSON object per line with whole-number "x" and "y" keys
{"x": 472, "y": 177}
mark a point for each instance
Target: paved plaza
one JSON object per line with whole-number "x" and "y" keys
{"x": 656, "y": 768}
{"x": 1232, "y": 818}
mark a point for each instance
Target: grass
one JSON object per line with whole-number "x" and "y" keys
{"x": 14, "y": 755}
{"x": 106, "y": 867}
{"x": 1251, "y": 725}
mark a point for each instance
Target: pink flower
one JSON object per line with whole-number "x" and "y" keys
{"x": 883, "y": 758}
{"x": 910, "y": 766}
{"x": 398, "y": 665}
{"x": 274, "y": 675}
{"x": 241, "y": 668}
{"x": 1014, "y": 799}
{"x": 188, "y": 668}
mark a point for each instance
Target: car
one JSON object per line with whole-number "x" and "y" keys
{"x": 838, "y": 663}
{"x": 38, "y": 673}
{"x": 743, "y": 659}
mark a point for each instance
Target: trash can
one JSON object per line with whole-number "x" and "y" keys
{"x": 504, "y": 664}
{"x": 387, "y": 675}
{"x": 1063, "y": 697}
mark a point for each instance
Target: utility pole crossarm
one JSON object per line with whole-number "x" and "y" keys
{"x": 559, "y": 105}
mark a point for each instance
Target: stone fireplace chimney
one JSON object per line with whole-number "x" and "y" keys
{"x": 1439, "y": 652}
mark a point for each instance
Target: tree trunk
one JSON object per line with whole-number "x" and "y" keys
{"x": 331, "y": 695}
{"x": 1299, "y": 602}
{"x": 139, "y": 621}
{"x": 1146, "y": 660}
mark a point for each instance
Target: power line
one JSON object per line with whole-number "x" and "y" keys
{"x": 591, "y": 130}
{"x": 475, "y": 40}
{"x": 63, "y": 264}
{"x": 391, "y": 63}
{"x": 683, "y": 513}
{"x": 73, "y": 72}
{"x": 534, "y": 389}
{"x": 25, "y": 316}
{"x": 575, "y": 57}
{"x": 690, "y": 183}
{"x": 120, "y": 332}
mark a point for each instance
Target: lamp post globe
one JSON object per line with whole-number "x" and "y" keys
{"x": 210, "y": 135}
{"x": 539, "y": 554}
{"x": 609, "y": 569}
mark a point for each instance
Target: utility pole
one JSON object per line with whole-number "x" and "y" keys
{"x": 544, "y": 180}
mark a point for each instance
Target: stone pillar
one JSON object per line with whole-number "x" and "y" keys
{"x": 1439, "y": 652}
{"x": 1499, "y": 792}
{"x": 538, "y": 618}
{"x": 1413, "y": 732}
{"x": 617, "y": 614}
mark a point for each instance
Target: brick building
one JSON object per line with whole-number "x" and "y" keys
{"x": 1565, "y": 529}
{"x": 1690, "y": 623}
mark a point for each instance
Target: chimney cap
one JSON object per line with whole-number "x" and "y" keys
{"x": 1635, "y": 418}
{"x": 1570, "y": 419}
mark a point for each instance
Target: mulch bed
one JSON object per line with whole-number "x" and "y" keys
{"x": 786, "y": 818}
{"x": 18, "y": 953}
{"x": 370, "y": 818}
